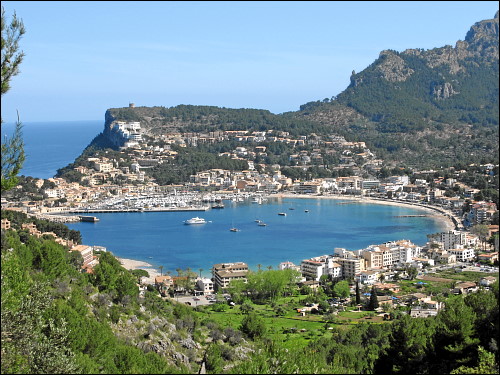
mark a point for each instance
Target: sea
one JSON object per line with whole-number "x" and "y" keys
{"x": 50, "y": 146}
{"x": 162, "y": 238}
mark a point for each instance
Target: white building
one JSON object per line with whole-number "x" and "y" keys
{"x": 312, "y": 269}
{"x": 288, "y": 265}
{"x": 452, "y": 238}
{"x": 463, "y": 255}
{"x": 205, "y": 285}
{"x": 367, "y": 277}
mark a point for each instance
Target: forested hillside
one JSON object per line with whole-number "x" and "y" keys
{"x": 419, "y": 106}
{"x": 56, "y": 319}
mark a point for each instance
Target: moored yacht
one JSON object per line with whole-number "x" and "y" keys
{"x": 195, "y": 220}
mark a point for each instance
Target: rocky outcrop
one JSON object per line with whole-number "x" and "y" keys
{"x": 443, "y": 91}
{"x": 392, "y": 67}
{"x": 481, "y": 43}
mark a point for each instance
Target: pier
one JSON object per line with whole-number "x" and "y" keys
{"x": 155, "y": 209}
{"x": 411, "y": 216}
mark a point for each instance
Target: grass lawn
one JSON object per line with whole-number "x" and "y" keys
{"x": 291, "y": 330}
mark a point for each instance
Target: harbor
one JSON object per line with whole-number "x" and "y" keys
{"x": 153, "y": 209}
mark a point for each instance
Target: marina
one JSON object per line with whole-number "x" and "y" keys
{"x": 328, "y": 224}
{"x": 153, "y": 209}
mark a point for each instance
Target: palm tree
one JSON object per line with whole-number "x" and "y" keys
{"x": 269, "y": 268}
{"x": 200, "y": 269}
{"x": 381, "y": 277}
{"x": 259, "y": 266}
{"x": 161, "y": 270}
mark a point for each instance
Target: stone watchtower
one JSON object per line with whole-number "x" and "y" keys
{"x": 131, "y": 105}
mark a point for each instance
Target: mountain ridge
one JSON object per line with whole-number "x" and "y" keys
{"x": 411, "y": 107}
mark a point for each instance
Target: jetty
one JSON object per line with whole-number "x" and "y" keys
{"x": 153, "y": 209}
{"x": 89, "y": 219}
{"x": 411, "y": 216}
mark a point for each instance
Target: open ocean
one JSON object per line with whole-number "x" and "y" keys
{"x": 161, "y": 238}
{"x": 50, "y": 146}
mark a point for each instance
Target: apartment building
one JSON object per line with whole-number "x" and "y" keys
{"x": 224, "y": 273}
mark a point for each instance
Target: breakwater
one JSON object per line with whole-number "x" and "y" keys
{"x": 154, "y": 209}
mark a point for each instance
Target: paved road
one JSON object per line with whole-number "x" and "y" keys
{"x": 183, "y": 299}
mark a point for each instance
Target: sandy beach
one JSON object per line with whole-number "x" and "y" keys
{"x": 131, "y": 264}
{"x": 438, "y": 213}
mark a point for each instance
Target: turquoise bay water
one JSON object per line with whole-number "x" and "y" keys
{"x": 161, "y": 238}
{"x": 53, "y": 145}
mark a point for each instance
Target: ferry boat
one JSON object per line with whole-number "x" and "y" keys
{"x": 195, "y": 220}
{"x": 89, "y": 219}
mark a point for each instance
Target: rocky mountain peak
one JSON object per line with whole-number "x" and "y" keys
{"x": 485, "y": 30}
{"x": 392, "y": 67}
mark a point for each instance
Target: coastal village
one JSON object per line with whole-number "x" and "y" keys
{"x": 377, "y": 264}
{"x": 348, "y": 283}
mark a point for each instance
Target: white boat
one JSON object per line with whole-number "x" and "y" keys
{"x": 281, "y": 213}
{"x": 262, "y": 224}
{"x": 195, "y": 220}
{"x": 234, "y": 230}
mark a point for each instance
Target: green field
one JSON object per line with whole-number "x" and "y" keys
{"x": 291, "y": 330}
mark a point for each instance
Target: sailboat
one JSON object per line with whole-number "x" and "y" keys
{"x": 234, "y": 229}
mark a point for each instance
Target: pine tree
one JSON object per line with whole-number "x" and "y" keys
{"x": 13, "y": 148}
{"x": 373, "y": 304}
{"x": 358, "y": 294}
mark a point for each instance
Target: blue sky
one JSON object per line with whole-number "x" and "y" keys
{"x": 85, "y": 57}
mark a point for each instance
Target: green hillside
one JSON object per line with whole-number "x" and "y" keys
{"x": 431, "y": 107}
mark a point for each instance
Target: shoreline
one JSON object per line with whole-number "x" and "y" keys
{"x": 132, "y": 264}
{"x": 439, "y": 214}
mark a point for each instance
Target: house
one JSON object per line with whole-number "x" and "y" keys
{"x": 313, "y": 284}
{"x": 309, "y": 308}
{"x": 367, "y": 277}
{"x": 425, "y": 306}
{"x": 464, "y": 288}
{"x": 487, "y": 281}
{"x": 489, "y": 257}
{"x": 387, "y": 287}
{"x": 387, "y": 300}
{"x": 447, "y": 258}
{"x": 205, "y": 285}
{"x": 5, "y": 224}
{"x": 163, "y": 283}
{"x": 419, "y": 312}
{"x": 87, "y": 254}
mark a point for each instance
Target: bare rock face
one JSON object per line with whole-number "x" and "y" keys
{"x": 393, "y": 68}
{"x": 481, "y": 42}
{"x": 443, "y": 91}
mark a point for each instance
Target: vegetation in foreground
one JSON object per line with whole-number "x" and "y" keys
{"x": 56, "y": 319}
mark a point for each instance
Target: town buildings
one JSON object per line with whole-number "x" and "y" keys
{"x": 224, "y": 273}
